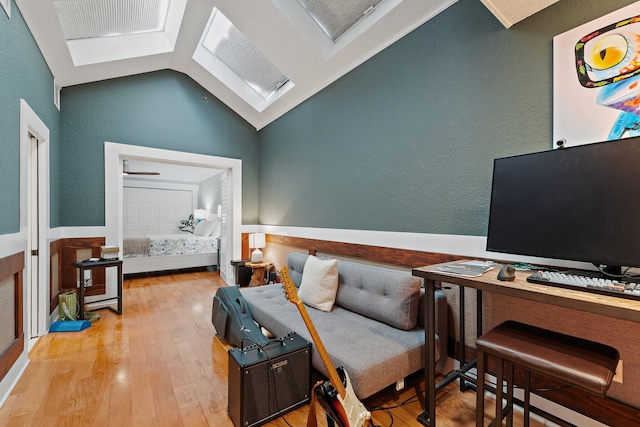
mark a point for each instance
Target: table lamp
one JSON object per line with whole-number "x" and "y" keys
{"x": 200, "y": 214}
{"x": 257, "y": 241}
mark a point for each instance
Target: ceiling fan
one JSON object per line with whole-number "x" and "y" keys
{"x": 126, "y": 171}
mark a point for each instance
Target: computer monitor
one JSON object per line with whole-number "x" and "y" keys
{"x": 579, "y": 203}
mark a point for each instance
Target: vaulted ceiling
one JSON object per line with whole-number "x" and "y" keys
{"x": 270, "y": 55}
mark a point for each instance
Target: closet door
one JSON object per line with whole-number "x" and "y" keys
{"x": 173, "y": 207}
{"x": 140, "y": 211}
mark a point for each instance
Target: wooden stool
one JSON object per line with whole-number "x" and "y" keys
{"x": 260, "y": 269}
{"x": 577, "y": 362}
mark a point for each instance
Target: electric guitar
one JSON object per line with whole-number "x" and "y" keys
{"x": 338, "y": 397}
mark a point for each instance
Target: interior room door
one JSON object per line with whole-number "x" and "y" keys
{"x": 34, "y": 221}
{"x": 34, "y": 237}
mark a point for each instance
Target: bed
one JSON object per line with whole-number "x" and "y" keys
{"x": 170, "y": 251}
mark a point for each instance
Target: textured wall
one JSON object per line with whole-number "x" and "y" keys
{"x": 24, "y": 75}
{"x": 164, "y": 109}
{"x": 406, "y": 141}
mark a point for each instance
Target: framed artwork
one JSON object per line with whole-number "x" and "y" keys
{"x": 6, "y": 5}
{"x": 596, "y": 80}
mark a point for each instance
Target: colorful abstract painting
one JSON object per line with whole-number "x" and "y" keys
{"x": 596, "y": 82}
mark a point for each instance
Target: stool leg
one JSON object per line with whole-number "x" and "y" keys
{"x": 510, "y": 387}
{"x": 499, "y": 380}
{"x": 527, "y": 396}
{"x": 480, "y": 367}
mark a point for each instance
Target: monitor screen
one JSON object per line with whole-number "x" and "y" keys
{"x": 579, "y": 203}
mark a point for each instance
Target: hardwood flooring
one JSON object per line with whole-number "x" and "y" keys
{"x": 159, "y": 364}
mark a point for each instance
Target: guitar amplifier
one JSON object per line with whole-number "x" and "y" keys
{"x": 267, "y": 382}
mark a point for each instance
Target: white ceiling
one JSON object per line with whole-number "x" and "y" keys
{"x": 274, "y": 28}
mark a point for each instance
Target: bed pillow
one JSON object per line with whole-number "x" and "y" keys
{"x": 204, "y": 228}
{"x": 217, "y": 228}
{"x": 319, "y": 283}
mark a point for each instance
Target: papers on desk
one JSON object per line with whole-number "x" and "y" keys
{"x": 465, "y": 268}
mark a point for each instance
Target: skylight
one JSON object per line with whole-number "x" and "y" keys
{"x": 332, "y": 25}
{"x": 233, "y": 59}
{"x": 98, "y": 31}
{"x": 237, "y": 52}
{"x": 336, "y": 17}
{"x": 86, "y": 19}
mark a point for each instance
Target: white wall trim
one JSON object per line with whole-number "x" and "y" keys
{"x": 468, "y": 246}
{"x": 12, "y": 243}
{"x": 76, "y": 232}
{"x": 11, "y": 379}
{"x": 114, "y": 153}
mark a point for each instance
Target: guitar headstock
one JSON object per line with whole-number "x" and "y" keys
{"x": 290, "y": 289}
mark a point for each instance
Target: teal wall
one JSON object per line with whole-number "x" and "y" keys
{"x": 24, "y": 75}
{"x": 406, "y": 141}
{"x": 164, "y": 109}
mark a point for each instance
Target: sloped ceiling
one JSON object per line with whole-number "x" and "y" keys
{"x": 276, "y": 33}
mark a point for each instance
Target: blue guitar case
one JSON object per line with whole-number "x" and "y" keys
{"x": 231, "y": 316}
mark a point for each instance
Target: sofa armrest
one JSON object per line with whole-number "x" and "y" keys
{"x": 442, "y": 323}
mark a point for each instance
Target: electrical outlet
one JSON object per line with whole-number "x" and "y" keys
{"x": 618, "y": 376}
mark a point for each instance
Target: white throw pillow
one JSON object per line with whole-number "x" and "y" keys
{"x": 204, "y": 228}
{"x": 319, "y": 284}
{"x": 217, "y": 228}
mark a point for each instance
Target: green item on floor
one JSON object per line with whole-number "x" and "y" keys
{"x": 91, "y": 317}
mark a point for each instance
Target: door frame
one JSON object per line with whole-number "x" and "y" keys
{"x": 114, "y": 153}
{"x": 30, "y": 123}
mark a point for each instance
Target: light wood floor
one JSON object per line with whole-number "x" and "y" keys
{"x": 159, "y": 364}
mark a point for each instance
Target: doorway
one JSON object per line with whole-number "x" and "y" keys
{"x": 114, "y": 155}
{"x": 34, "y": 219}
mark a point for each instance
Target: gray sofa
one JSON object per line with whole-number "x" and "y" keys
{"x": 375, "y": 329}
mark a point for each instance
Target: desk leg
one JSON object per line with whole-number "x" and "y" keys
{"x": 479, "y": 326}
{"x": 81, "y": 297}
{"x": 428, "y": 417}
{"x": 461, "y": 350}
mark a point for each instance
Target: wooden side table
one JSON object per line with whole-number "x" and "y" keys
{"x": 259, "y": 272}
{"x": 89, "y": 265}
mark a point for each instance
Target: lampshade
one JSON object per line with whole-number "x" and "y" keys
{"x": 257, "y": 241}
{"x": 200, "y": 214}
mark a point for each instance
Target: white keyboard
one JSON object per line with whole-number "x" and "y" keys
{"x": 613, "y": 287}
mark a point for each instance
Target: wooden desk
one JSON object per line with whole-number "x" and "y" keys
{"x": 89, "y": 265}
{"x": 614, "y": 307}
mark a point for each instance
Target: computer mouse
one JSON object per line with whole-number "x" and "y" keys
{"x": 507, "y": 273}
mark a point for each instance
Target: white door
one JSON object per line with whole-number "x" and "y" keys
{"x": 34, "y": 236}
{"x": 34, "y": 220}
{"x": 173, "y": 207}
{"x": 140, "y": 212}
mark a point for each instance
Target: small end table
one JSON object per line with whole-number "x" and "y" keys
{"x": 259, "y": 272}
{"x": 89, "y": 265}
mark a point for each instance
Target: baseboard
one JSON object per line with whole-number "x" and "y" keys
{"x": 10, "y": 380}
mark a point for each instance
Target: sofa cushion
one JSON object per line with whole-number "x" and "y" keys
{"x": 383, "y": 294}
{"x": 390, "y": 296}
{"x": 296, "y": 262}
{"x": 319, "y": 283}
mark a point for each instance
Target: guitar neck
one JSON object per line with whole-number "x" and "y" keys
{"x": 322, "y": 351}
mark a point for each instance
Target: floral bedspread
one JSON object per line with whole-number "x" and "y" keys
{"x": 178, "y": 244}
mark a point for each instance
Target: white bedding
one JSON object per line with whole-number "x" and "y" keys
{"x": 177, "y": 244}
